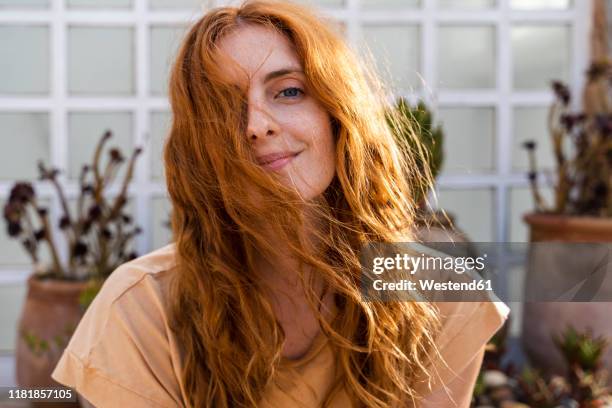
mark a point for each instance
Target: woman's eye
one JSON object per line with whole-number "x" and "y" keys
{"x": 291, "y": 92}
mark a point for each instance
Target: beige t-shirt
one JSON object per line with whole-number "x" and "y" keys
{"x": 123, "y": 352}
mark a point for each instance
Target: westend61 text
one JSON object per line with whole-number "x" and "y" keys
{"x": 430, "y": 284}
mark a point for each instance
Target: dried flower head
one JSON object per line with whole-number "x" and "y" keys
{"x": 14, "y": 229}
{"x": 13, "y": 211}
{"x": 22, "y": 193}
{"x": 529, "y": 144}
{"x": 40, "y": 234}
{"x": 46, "y": 174}
{"x": 532, "y": 176}
{"x": 64, "y": 222}
{"x": 95, "y": 212}
{"x": 603, "y": 122}
{"x": 116, "y": 156}
{"x": 79, "y": 249}
{"x": 562, "y": 92}
{"x": 598, "y": 69}
{"x": 106, "y": 233}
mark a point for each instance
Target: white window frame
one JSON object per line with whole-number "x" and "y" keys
{"x": 503, "y": 98}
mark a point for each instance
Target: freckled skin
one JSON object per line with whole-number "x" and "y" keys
{"x": 282, "y": 114}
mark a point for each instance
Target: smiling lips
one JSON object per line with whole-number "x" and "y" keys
{"x": 276, "y": 161}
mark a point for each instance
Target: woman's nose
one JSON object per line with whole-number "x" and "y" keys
{"x": 260, "y": 123}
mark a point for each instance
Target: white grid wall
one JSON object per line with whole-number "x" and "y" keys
{"x": 468, "y": 191}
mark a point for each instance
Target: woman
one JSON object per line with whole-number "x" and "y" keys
{"x": 280, "y": 165}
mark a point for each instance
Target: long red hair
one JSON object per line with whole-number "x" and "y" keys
{"x": 230, "y": 337}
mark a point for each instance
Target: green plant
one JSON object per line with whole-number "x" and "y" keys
{"x": 584, "y": 385}
{"x": 40, "y": 346}
{"x": 429, "y": 138}
{"x": 581, "y": 349}
{"x": 98, "y": 235}
{"x": 583, "y": 183}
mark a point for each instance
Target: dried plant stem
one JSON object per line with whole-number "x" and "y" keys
{"x": 563, "y": 185}
{"x": 126, "y": 181}
{"x": 64, "y": 203}
{"x": 44, "y": 219}
{"x": 110, "y": 172}
{"x": 535, "y": 190}
{"x": 603, "y": 97}
{"x": 28, "y": 221}
{"x": 98, "y": 180}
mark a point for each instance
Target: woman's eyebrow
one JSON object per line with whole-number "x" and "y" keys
{"x": 278, "y": 73}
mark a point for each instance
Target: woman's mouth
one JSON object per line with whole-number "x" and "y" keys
{"x": 277, "y": 161}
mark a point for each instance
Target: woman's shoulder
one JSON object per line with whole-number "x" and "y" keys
{"x": 123, "y": 349}
{"x": 135, "y": 292}
{"x": 150, "y": 271}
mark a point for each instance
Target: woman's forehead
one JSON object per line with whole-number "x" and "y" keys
{"x": 251, "y": 52}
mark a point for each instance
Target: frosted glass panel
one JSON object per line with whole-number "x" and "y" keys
{"x": 161, "y": 233}
{"x": 11, "y": 301}
{"x": 396, "y": 52}
{"x": 164, "y": 45}
{"x": 25, "y": 140}
{"x": 473, "y": 211}
{"x": 100, "y": 60}
{"x": 466, "y": 57}
{"x": 184, "y": 4}
{"x": 321, "y": 3}
{"x": 469, "y": 142}
{"x": 541, "y": 54}
{"x": 84, "y": 132}
{"x": 384, "y": 4}
{"x": 99, "y": 3}
{"x": 530, "y": 123}
{"x": 25, "y": 59}
{"x": 160, "y": 125}
{"x": 23, "y": 3}
{"x": 466, "y": 4}
{"x": 540, "y": 4}
{"x": 521, "y": 203}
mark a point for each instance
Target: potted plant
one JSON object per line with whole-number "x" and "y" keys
{"x": 415, "y": 129}
{"x": 583, "y": 382}
{"x": 98, "y": 236}
{"x": 581, "y": 213}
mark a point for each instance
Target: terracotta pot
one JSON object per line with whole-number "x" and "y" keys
{"x": 543, "y": 319}
{"x": 50, "y": 314}
{"x": 552, "y": 227}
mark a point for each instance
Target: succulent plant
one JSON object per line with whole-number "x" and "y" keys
{"x": 584, "y": 385}
{"x": 418, "y": 119}
{"x": 98, "y": 234}
{"x": 581, "y": 349}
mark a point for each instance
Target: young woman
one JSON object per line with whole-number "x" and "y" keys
{"x": 280, "y": 166}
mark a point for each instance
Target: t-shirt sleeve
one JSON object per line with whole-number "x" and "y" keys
{"x": 118, "y": 354}
{"x": 466, "y": 329}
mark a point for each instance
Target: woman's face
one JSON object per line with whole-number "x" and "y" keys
{"x": 288, "y": 129}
